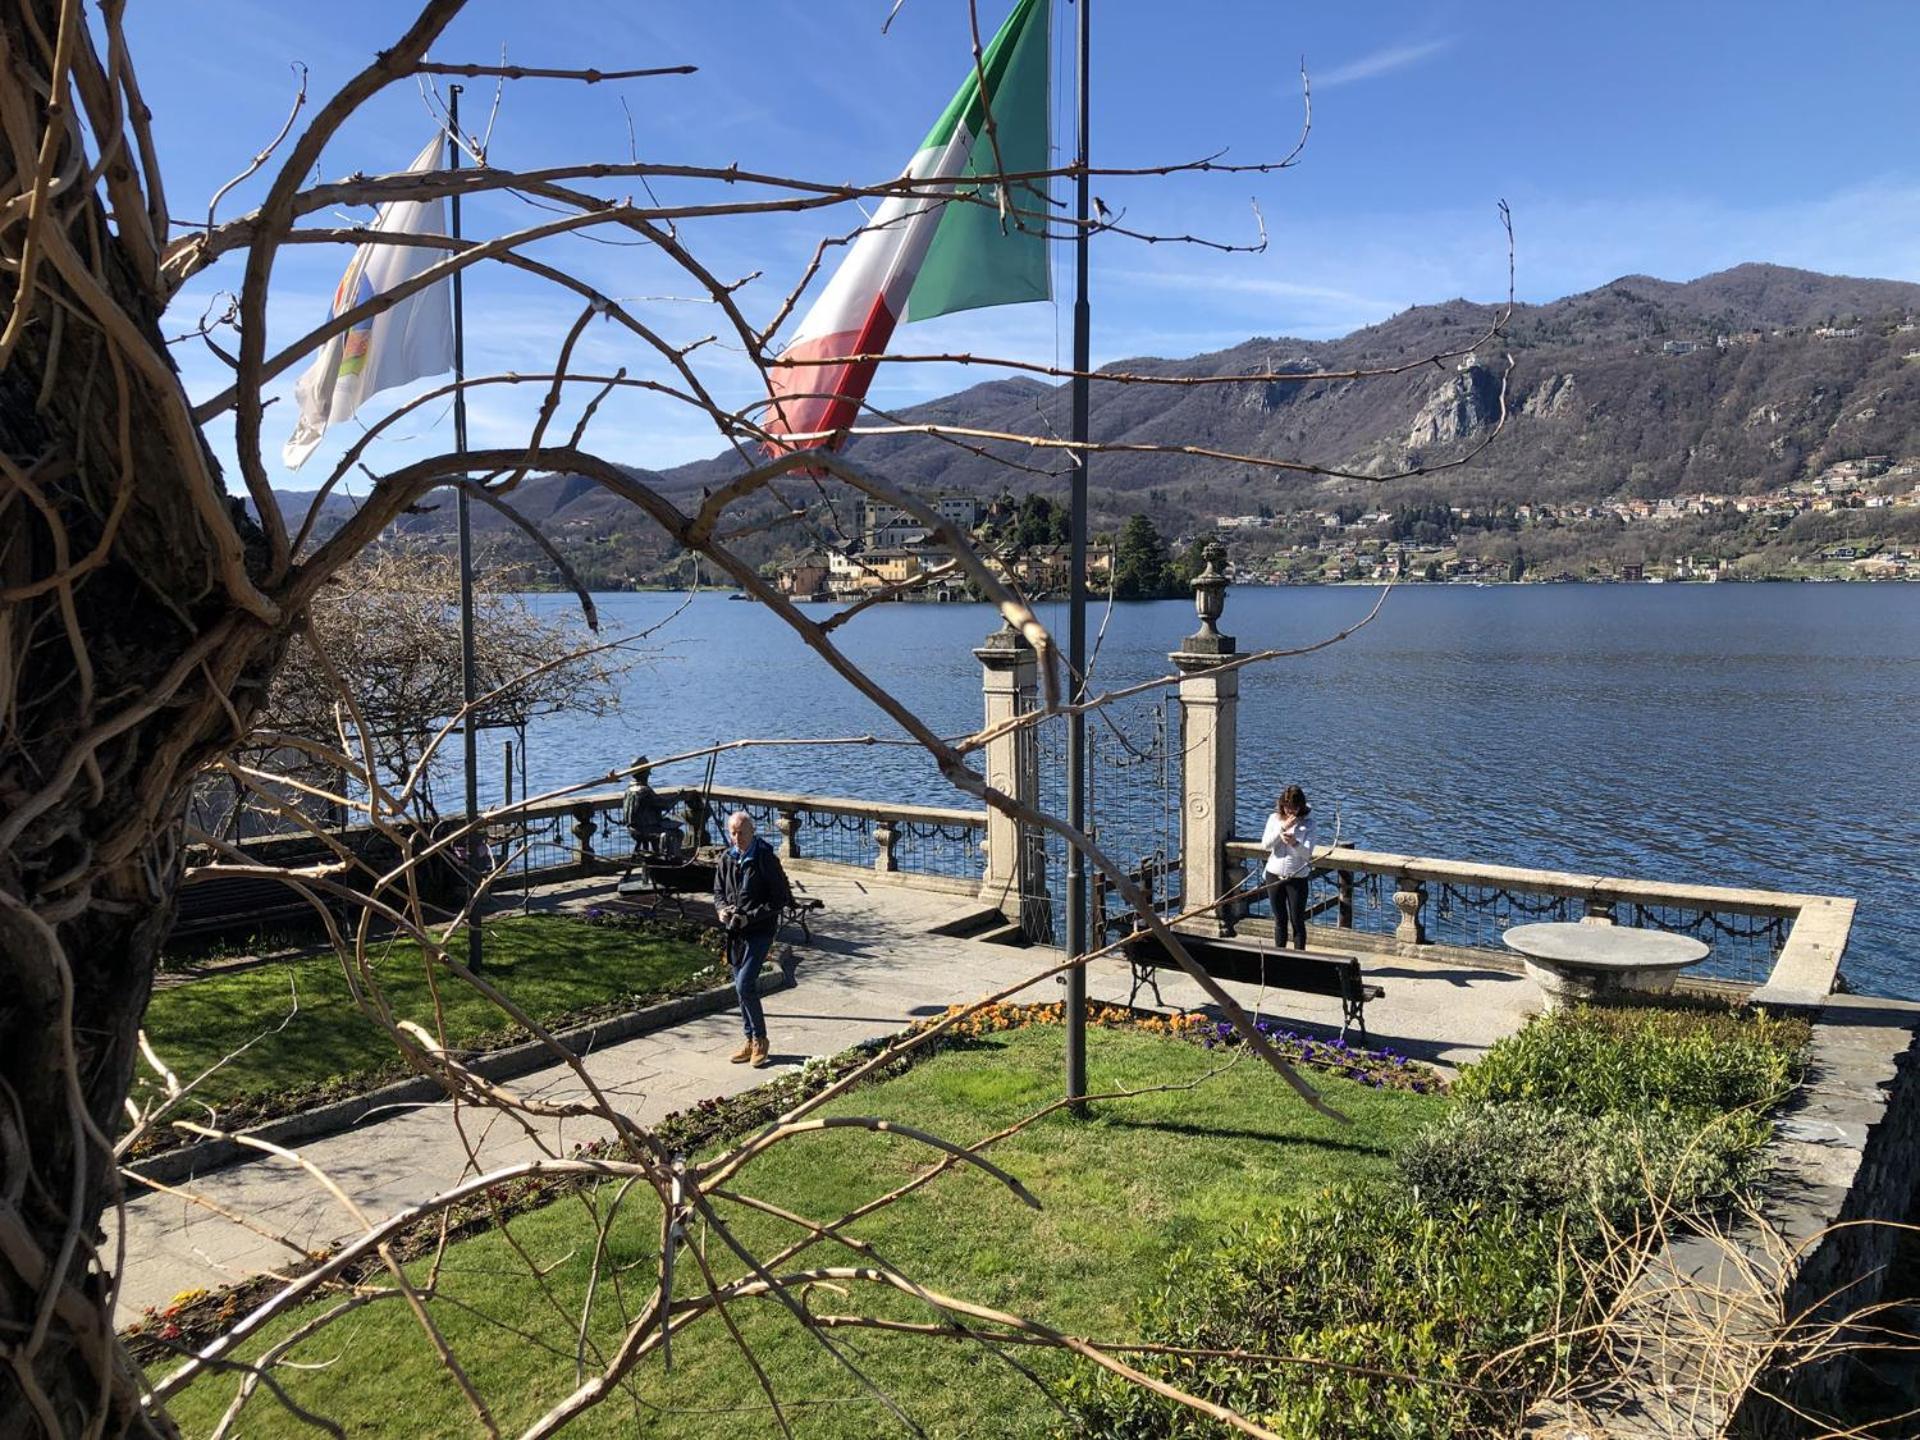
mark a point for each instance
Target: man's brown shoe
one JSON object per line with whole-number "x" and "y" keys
{"x": 761, "y": 1059}
{"x": 743, "y": 1054}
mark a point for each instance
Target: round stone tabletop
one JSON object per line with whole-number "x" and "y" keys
{"x": 1604, "y": 947}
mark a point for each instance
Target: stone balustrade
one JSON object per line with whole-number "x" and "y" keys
{"x": 1805, "y": 935}
{"x": 935, "y": 846}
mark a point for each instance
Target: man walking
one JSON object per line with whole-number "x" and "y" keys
{"x": 750, "y": 890}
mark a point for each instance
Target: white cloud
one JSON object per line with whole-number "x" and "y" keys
{"x": 1376, "y": 63}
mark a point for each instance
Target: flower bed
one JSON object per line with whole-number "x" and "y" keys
{"x": 1382, "y": 1069}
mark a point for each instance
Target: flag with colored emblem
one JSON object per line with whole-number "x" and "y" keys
{"x": 924, "y": 255}
{"x": 412, "y": 338}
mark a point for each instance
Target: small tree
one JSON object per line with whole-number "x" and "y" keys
{"x": 1517, "y": 567}
{"x": 1139, "y": 561}
{"x": 386, "y": 631}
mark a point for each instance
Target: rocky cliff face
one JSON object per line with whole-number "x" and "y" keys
{"x": 1463, "y": 407}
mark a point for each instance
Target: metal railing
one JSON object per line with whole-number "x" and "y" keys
{"x": 1784, "y": 946}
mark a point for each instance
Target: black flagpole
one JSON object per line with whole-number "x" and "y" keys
{"x": 1077, "y": 607}
{"x": 468, "y": 738}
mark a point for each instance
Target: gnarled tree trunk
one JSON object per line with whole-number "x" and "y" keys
{"x": 124, "y": 662}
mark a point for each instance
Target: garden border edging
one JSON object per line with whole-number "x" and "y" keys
{"x": 183, "y": 1162}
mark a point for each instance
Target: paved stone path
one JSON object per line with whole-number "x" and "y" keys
{"x": 874, "y": 968}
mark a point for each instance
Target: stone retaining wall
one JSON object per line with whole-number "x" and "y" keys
{"x": 1846, "y": 1162}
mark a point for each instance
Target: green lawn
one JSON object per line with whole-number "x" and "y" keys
{"x": 550, "y": 965}
{"x": 1121, "y": 1193}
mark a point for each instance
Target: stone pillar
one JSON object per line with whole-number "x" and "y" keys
{"x": 1599, "y": 911}
{"x": 789, "y": 827}
{"x": 1008, "y": 674}
{"x": 1209, "y": 743}
{"x": 884, "y": 859}
{"x": 694, "y": 808}
{"x": 1410, "y": 898}
{"x": 583, "y": 833}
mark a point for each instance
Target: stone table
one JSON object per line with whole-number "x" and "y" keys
{"x": 1573, "y": 962}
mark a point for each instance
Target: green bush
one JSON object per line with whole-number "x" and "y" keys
{"x": 1443, "y": 1308}
{"x": 1610, "y": 1169}
{"x": 1373, "y": 1282}
{"x": 1685, "y": 1061}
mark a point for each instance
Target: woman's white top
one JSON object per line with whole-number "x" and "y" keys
{"x": 1289, "y": 845}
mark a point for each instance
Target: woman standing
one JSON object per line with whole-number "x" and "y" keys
{"x": 1288, "y": 840}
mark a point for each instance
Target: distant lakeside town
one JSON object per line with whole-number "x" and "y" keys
{"x": 1776, "y": 535}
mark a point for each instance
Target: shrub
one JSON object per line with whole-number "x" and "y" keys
{"x": 1612, "y": 1168}
{"x": 1689, "y": 1061}
{"x": 1359, "y": 1284}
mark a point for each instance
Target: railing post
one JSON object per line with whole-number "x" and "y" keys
{"x": 1343, "y": 885}
{"x": 1410, "y": 898}
{"x": 1007, "y": 678}
{"x": 1599, "y": 911}
{"x": 1209, "y": 743}
{"x": 789, "y": 827}
{"x": 583, "y": 832}
{"x": 695, "y": 810}
{"x": 883, "y": 857}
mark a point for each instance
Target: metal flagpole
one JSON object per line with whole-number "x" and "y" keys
{"x": 469, "y": 739}
{"x": 1076, "y": 1017}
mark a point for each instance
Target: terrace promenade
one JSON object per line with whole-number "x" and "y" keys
{"x": 876, "y": 966}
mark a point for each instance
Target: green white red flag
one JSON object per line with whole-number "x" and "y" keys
{"x": 925, "y": 255}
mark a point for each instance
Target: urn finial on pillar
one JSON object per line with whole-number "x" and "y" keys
{"x": 1210, "y": 591}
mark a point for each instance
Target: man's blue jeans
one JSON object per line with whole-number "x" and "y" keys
{"x": 746, "y": 953}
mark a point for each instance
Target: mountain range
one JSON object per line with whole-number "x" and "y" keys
{"x": 1639, "y": 388}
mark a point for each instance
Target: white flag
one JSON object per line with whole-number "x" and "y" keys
{"x": 413, "y": 338}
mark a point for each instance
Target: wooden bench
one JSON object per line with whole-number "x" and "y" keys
{"x": 225, "y": 903}
{"x": 1304, "y": 972}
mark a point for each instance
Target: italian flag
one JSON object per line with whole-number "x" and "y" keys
{"x": 922, "y": 256}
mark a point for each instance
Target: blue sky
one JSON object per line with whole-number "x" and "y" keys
{"x": 1657, "y": 138}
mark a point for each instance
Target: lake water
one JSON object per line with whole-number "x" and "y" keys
{"x": 1761, "y": 735}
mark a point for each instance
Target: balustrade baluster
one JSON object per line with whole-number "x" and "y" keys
{"x": 583, "y": 833}
{"x": 1410, "y": 898}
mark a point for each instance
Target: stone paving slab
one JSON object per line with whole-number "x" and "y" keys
{"x": 875, "y": 969}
